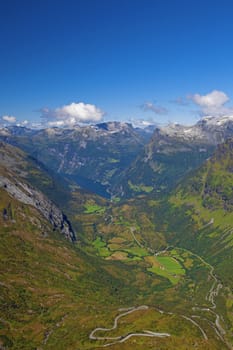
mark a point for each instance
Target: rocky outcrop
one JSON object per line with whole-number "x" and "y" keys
{"x": 30, "y": 196}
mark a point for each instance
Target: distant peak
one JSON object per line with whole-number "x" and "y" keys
{"x": 114, "y": 126}
{"x": 219, "y": 120}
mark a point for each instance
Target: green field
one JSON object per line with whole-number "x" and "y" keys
{"x": 93, "y": 208}
{"x": 101, "y": 247}
{"x": 137, "y": 251}
{"x": 168, "y": 267}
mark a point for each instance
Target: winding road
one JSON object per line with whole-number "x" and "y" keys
{"x": 121, "y": 339}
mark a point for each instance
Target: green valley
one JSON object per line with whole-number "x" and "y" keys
{"x": 141, "y": 273}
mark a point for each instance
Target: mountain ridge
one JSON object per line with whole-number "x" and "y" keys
{"x": 127, "y": 160}
{"x": 173, "y": 151}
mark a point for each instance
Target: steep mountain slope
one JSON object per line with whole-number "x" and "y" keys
{"x": 164, "y": 161}
{"x": 198, "y": 216}
{"x": 173, "y": 151}
{"x": 92, "y": 156}
{"x": 207, "y": 197}
{"x": 16, "y": 174}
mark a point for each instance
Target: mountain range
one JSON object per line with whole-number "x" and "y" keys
{"x": 115, "y": 159}
{"x": 91, "y": 156}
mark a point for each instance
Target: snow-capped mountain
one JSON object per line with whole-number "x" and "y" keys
{"x": 173, "y": 151}
{"x": 209, "y": 129}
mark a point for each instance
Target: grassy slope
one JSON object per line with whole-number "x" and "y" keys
{"x": 206, "y": 200}
{"x": 199, "y": 217}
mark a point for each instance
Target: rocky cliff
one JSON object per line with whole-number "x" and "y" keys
{"x": 14, "y": 171}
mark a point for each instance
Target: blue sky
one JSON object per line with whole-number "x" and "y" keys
{"x": 160, "y": 60}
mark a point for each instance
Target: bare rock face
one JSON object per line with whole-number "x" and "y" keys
{"x": 30, "y": 196}
{"x": 15, "y": 172}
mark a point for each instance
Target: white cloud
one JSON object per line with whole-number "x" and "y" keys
{"x": 9, "y": 118}
{"x": 212, "y": 103}
{"x": 71, "y": 114}
{"x": 213, "y": 99}
{"x": 149, "y": 106}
